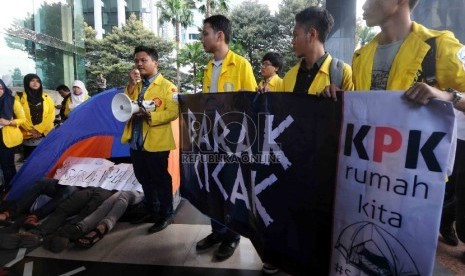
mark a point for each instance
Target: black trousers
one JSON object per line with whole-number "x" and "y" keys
{"x": 151, "y": 170}
{"x": 7, "y": 162}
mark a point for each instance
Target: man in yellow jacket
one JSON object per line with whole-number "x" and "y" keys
{"x": 395, "y": 60}
{"x": 226, "y": 72}
{"x": 150, "y": 136}
{"x": 312, "y": 74}
{"x": 272, "y": 63}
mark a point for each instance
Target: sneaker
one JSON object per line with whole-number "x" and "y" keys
{"x": 449, "y": 236}
{"x": 269, "y": 269}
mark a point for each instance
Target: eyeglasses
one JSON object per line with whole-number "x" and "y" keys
{"x": 266, "y": 64}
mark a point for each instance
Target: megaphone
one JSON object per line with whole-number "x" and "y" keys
{"x": 123, "y": 107}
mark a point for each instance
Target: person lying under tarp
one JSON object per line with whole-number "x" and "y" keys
{"x": 74, "y": 217}
{"x": 92, "y": 229}
{"x": 21, "y": 213}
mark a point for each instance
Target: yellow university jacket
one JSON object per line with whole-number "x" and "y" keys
{"x": 273, "y": 85}
{"x": 406, "y": 66}
{"x": 236, "y": 75}
{"x": 322, "y": 78}
{"x": 48, "y": 115}
{"x": 12, "y": 136}
{"x": 68, "y": 102}
{"x": 158, "y": 130}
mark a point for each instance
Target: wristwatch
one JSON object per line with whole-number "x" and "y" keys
{"x": 456, "y": 95}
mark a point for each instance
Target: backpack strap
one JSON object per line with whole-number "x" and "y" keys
{"x": 336, "y": 72}
{"x": 428, "y": 66}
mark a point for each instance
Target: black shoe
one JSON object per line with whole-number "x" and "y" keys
{"x": 208, "y": 241}
{"x": 269, "y": 269}
{"x": 161, "y": 224}
{"x": 226, "y": 250}
{"x": 449, "y": 236}
{"x": 142, "y": 217}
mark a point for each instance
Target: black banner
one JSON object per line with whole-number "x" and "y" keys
{"x": 265, "y": 166}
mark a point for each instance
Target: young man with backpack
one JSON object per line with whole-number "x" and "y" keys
{"x": 317, "y": 69}
{"x": 424, "y": 63}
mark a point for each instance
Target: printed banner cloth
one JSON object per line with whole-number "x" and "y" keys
{"x": 266, "y": 167}
{"x": 393, "y": 160}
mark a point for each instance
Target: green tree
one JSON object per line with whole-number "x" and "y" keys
{"x": 113, "y": 55}
{"x": 210, "y": 7}
{"x": 17, "y": 77}
{"x": 363, "y": 33}
{"x": 286, "y": 21}
{"x": 255, "y": 30}
{"x": 194, "y": 56}
{"x": 178, "y": 13}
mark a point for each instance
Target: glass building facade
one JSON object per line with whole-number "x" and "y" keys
{"x": 45, "y": 37}
{"x": 110, "y": 12}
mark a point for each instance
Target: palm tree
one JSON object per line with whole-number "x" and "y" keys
{"x": 208, "y": 7}
{"x": 178, "y": 13}
{"x": 194, "y": 55}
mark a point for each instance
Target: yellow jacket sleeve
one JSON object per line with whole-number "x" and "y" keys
{"x": 12, "y": 136}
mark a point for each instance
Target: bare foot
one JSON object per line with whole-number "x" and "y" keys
{"x": 3, "y": 216}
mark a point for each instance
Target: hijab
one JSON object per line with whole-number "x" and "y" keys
{"x": 34, "y": 97}
{"x": 6, "y": 102}
{"x": 78, "y": 99}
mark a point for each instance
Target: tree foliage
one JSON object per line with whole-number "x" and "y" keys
{"x": 286, "y": 21}
{"x": 114, "y": 54}
{"x": 211, "y": 7}
{"x": 255, "y": 30}
{"x": 363, "y": 33}
{"x": 178, "y": 13}
{"x": 194, "y": 56}
{"x": 258, "y": 31}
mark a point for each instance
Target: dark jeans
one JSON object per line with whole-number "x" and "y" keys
{"x": 224, "y": 232}
{"x": 7, "y": 162}
{"x": 81, "y": 203}
{"x": 44, "y": 186}
{"x": 151, "y": 170}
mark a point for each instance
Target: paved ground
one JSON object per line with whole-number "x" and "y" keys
{"x": 450, "y": 257}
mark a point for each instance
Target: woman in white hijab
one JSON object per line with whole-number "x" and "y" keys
{"x": 79, "y": 95}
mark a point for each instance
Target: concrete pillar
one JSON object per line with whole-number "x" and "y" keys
{"x": 341, "y": 41}
{"x": 121, "y": 5}
{"x": 98, "y": 5}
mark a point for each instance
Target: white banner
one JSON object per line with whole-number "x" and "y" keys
{"x": 97, "y": 172}
{"x": 393, "y": 160}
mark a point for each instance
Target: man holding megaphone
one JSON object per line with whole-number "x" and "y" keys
{"x": 150, "y": 136}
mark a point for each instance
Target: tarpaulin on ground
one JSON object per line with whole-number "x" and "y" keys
{"x": 90, "y": 131}
{"x": 266, "y": 167}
